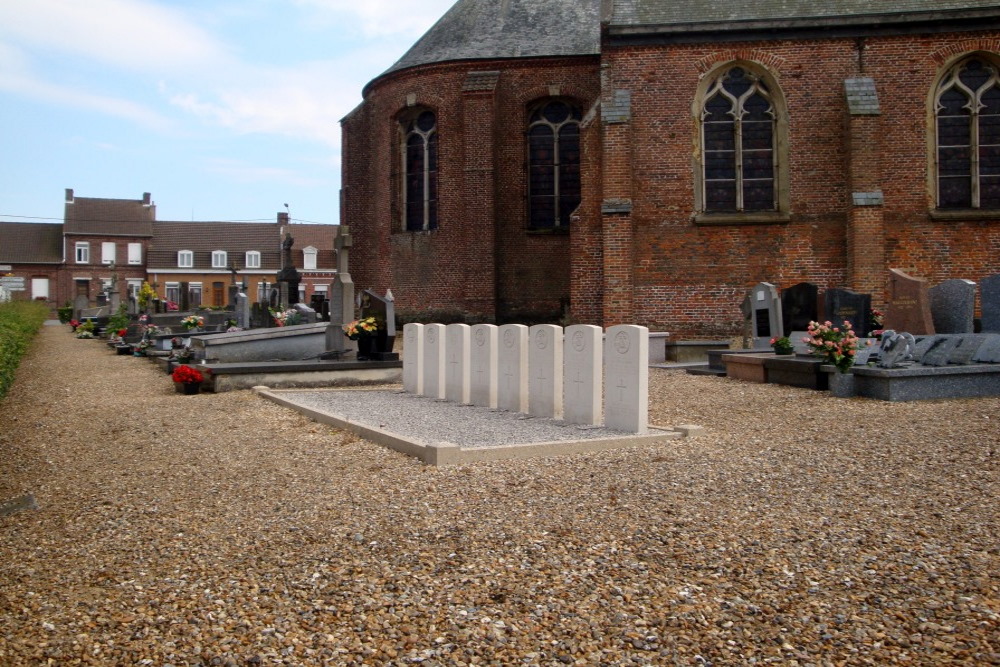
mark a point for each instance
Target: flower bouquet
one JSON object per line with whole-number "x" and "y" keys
{"x": 193, "y": 322}
{"x": 835, "y": 345}
{"x": 285, "y": 318}
{"x": 186, "y": 375}
{"x": 74, "y": 324}
{"x": 878, "y": 317}
{"x": 361, "y": 328}
{"x": 782, "y": 345}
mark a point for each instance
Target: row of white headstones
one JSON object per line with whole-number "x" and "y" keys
{"x": 544, "y": 370}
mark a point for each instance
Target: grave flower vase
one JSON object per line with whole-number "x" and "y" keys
{"x": 191, "y": 388}
{"x": 366, "y": 347}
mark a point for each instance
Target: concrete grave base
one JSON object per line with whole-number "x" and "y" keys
{"x": 438, "y": 452}
{"x": 916, "y": 382}
{"x": 287, "y": 374}
{"x": 748, "y": 367}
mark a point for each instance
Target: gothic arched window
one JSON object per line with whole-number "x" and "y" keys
{"x": 738, "y": 141}
{"x": 967, "y": 115}
{"x": 419, "y": 144}
{"x": 553, "y": 164}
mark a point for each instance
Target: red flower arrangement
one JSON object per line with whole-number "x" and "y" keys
{"x": 186, "y": 374}
{"x": 122, "y": 332}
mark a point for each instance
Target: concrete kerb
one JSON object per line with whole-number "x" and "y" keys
{"x": 446, "y": 453}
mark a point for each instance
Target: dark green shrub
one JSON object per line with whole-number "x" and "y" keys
{"x": 19, "y": 322}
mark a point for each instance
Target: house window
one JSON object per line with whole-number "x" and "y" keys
{"x": 82, "y": 252}
{"x": 967, "y": 114}
{"x": 107, "y": 252}
{"x": 185, "y": 259}
{"x": 553, "y": 164}
{"x": 218, "y": 294}
{"x": 194, "y": 295}
{"x": 135, "y": 253}
{"x": 173, "y": 292}
{"x": 219, "y": 259}
{"x": 253, "y": 260}
{"x": 738, "y": 143}
{"x": 309, "y": 258}
{"x": 420, "y": 143}
{"x": 134, "y": 285}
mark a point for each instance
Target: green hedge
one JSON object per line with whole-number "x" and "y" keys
{"x": 19, "y": 322}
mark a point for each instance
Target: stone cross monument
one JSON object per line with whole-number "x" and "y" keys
{"x": 341, "y": 300}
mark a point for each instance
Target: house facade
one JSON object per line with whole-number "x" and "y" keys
{"x": 648, "y": 161}
{"x": 190, "y": 263}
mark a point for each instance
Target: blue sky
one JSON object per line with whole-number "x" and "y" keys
{"x": 222, "y": 109}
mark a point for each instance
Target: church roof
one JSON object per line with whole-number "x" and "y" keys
{"x": 491, "y": 29}
{"x": 681, "y": 15}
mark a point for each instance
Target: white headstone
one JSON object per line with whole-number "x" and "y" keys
{"x": 583, "y": 372}
{"x": 483, "y": 366}
{"x": 626, "y": 378}
{"x": 457, "y": 363}
{"x": 413, "y": 358}
{"x": 512, "y": 364}
{"x": 435, "y": 347}
{"x": 545, "y": 362}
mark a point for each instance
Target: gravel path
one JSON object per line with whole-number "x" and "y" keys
{"x": 225, "y": 530}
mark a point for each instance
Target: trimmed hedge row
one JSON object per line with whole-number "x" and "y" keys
{"x": 19, "y": 322}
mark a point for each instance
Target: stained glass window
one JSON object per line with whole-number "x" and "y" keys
{"x": 420, "y": 142}
{"x": 553, "y": 164}
{"x": 738, "y": 138}
{"x": 967, "y": 112}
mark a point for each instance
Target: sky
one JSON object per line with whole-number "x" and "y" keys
{"x": 222, "y": 109}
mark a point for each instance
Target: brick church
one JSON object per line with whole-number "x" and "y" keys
{"x": 648, "y": 161}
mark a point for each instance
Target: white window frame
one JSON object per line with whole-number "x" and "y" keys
{"x": 220, "y": 258}
{"x": 134, "y": 285}
{"x": 253, "y": 259}
{"x": 185, "y": 259}
{"x": 175, "y": 288}
{"x": 82, "y": 250}
{"x": 40, "y": 288}
{"x": 108, "y": 252}
{"x": 135, "y": 253}
{"x": 192, "y": 289}
{"x": 309, "y": 255}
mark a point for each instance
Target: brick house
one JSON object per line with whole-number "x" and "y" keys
{"x": 63, "y": 261}
{"x": 648, "y": 161}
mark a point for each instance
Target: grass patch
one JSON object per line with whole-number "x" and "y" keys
{"x": 19, "y": 322}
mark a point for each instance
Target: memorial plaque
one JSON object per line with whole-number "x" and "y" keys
{"x": 989, "y": 351}
{"x": 840, "y": 305}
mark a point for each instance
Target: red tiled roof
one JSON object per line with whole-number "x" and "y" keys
{"x": 104, "y": 217}
{"x": 320, "y": 237}
{"x": 30, "y": 243}
{"x": 236, "y": 238}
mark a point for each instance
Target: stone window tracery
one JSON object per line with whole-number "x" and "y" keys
{"x": 420, "y": 175}
{"x": 553, "y": 164}
{"x": 967, "y": 125}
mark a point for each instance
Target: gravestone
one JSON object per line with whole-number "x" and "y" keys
{"x": 435, "y": 348}
{"x": 382, "y": 309}
{"x": 306, "y": 314}
{"x": 512, "y": 365}
{"x": 132, "y": 309}
{"x": 583, "y": 374}
{"x": 483, "y": 366}
{"x": 953, "y": 306}
{"x": 940, "y": 350}
{"x": 840, "y": 305}
{"x": 626, "y": 378}
{"x": 799, "y": 307}
{"x": 242, "y": 311}
{"x": 341, "y": 299}
{"x": 288, "y": 277}
{"x": 413, "y": 358}
{"x": 989, "y": 351}
{"x": 989, "y": 298}
{"x": 896, "y": 349}
{"x": 967, "y": 348}
{"x": 545, "y": 371}
{"x": 765, "y": 314}
{"x": 458, "y": 339}
{"x": 909, "y": 307}
{"x": 80, "y": 303}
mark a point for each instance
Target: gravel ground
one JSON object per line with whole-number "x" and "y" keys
{"x": 225, "y": 530}
{"x": 428, "y": 420}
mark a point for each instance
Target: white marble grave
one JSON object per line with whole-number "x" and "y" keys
{"x": 435, "y": 347}
{"x": 626, "y": 378}
{"x": 512, "y": 366}
{"x": 483, "y": 366}
{"x": 583, "y": 358}
{"x": 457, "y": 337}
{"x": 545, "y": 371}
{"x": 413, "y": 358}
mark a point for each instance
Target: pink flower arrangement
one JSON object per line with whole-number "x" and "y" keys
{"x": 836, "y": 345}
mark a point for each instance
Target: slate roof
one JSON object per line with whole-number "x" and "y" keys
{"x": 490, "y": 29}
{"x": 109, "y": 217}
{"x": 683, "y": 15}
{"x": 236, "y": 238}
{"x": 29, "y": 243}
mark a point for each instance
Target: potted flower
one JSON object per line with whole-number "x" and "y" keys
{"x": 364, "y": 331}
{"x": 193, "y": 322}
{"x": 85, "y": 329}
{"x": 73, "y": 324}
{"x": 837, "y": 347}
{"x": 139, "y": 349}
{"x": 782, "y": 345}
{"x": 285, "y": 318}
{"x": 190, "y": 378}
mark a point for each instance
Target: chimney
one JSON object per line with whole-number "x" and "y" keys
{"x": 147, "y": 199}
{"x": 69, "y": 195}
{"x": 282, "y": 218}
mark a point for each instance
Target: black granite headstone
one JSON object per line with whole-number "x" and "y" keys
{"x": 989, "y": 296}
{"x": 799, "y": 307}
{"x": 844, "y": 305}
